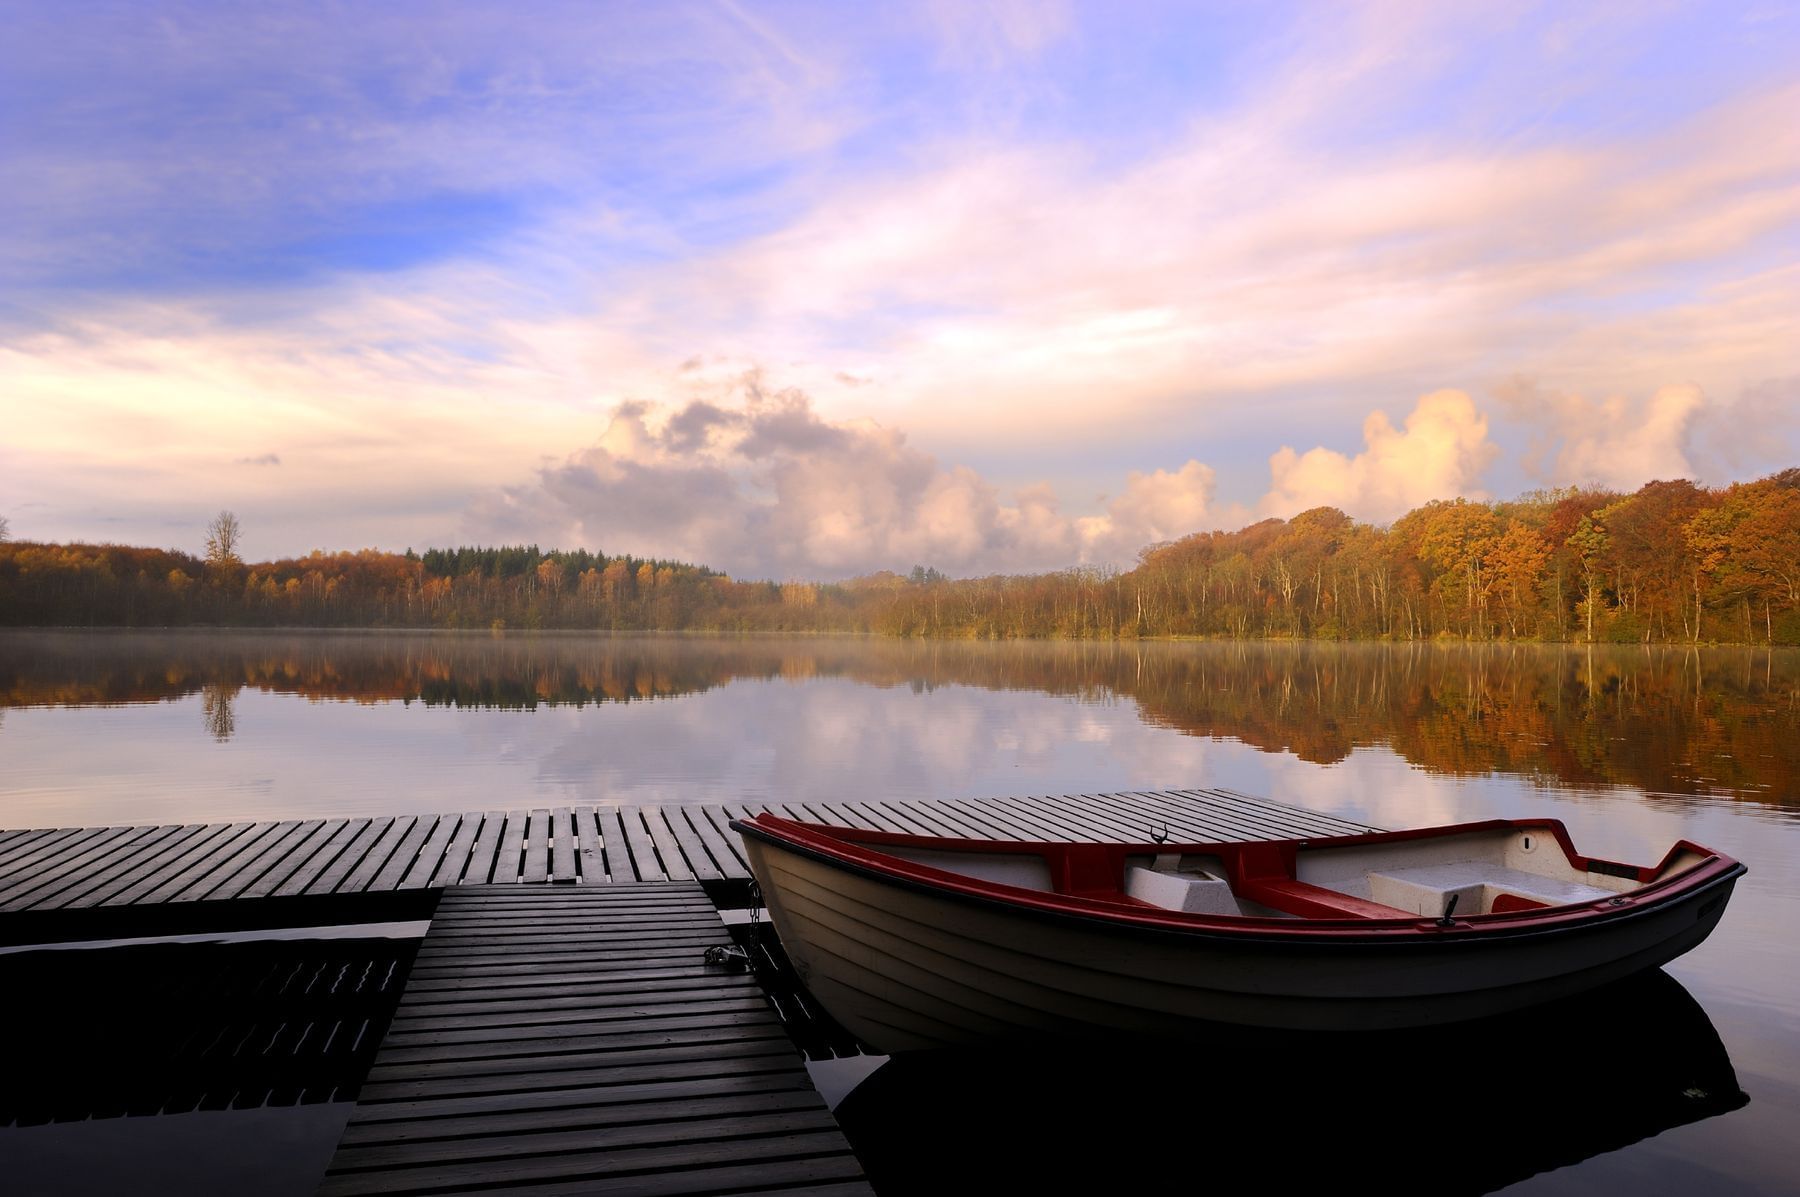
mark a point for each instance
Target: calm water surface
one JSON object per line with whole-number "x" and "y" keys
{"x": 1632, "y": 748}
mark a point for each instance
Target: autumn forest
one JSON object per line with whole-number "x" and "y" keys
{"x": 1673, "y": 562}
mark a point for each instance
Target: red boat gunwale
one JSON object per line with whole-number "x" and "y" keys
{"x": 1088, "y": 878}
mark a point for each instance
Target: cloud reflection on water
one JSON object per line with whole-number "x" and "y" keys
{"x": 435, "y": 722}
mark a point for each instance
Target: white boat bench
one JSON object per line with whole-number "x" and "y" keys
{"x": 1191, "y": 893}
{"x": 1426, "y": 889}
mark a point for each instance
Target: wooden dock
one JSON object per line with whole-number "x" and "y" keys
{"x": 561, "y": 1030}
{"x": 574, "y": 1040}
{"x": 80, "y": 868}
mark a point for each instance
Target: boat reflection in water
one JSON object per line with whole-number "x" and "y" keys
{"x": 1468, "y": 1108}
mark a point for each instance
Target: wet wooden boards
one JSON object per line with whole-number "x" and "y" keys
{"x": 77, "y": 868}
{"x": 574, "y": 1040}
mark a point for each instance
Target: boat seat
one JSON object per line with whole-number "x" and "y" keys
{"x": 1479, "y": 885}
{"x": 1314, "y": 901}
{"x": 1191, "y": 893}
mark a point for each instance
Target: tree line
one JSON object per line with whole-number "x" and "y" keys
{"x": 1673, "y": 562}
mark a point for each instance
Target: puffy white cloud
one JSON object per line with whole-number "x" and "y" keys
{"x": 756, "y": 482}
{"x": 1440, "y": 453}
{"x": 1157, "y": 506}
{"x": 1617, "y": 441}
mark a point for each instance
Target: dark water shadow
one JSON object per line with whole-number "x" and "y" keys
{"x": 192, "y": 1068}
{"x": 1464, "y": 1109}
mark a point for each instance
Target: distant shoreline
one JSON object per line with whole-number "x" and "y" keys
{"x": 1674, "y": 563}
{"x": 1441, "y": 641}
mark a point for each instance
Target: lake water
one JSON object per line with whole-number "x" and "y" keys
{"x": 1633, "y": 748}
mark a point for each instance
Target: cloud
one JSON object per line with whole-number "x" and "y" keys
{"x": 992, "y": 36}
{"x": 1759, "y": 429}
{"x": 266, "y": 459}
{"x": 1260, "y": 254}
{"x": 1027, "y": 235}
{"x": 1158, "y": 506}
{"x": 1616, "y": 442}
{"x": 1440, "y": 453}
{"x": 755, "y": 481}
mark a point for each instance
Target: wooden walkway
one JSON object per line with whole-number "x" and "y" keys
{"x": 573, "y": 1040}
{"x": 72, "y": 868}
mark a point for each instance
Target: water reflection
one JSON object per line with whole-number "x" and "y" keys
{"x": 216, "y": 706}
{"x": 1467, "y": 1109}
{"x": 1693, "y": 722}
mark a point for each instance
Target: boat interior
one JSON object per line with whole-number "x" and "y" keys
{"x": 1481, "y": 869}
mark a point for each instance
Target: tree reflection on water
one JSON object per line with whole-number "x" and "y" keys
{"x": 1687, "y": 721}
{"x": 215, "y": 704}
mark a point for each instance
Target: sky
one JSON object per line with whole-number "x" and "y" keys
{"x": 810, "y": 290}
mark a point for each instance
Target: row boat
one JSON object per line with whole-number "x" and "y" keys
{"x": 919, "y": 942}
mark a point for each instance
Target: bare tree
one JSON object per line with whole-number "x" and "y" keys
{"x": 5, "y": 529}
{"x": 222, "y": 537}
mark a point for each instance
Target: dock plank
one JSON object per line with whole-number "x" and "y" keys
{"x": 405, "y": 853}
{"x": 332, "y": 877}
{"x": 619, "y": 862}
{"x": 663, "y": 1075}
{"x": 993, "y": 823}
{"x": 590, "y": 846}
{"x": 687, "y": 842}
{"x": 611, "y": 836}
{"x": 325, "y": 879}
{"x": 668, "y": 849}
{"x": 915, "y": 820}
{"x": 117, "y": 890}
{"x": 431, "y": 854}
{"x": 722, "y": 844}
{"x": 102, "y": 884}
{"x": 101, "y": 854}
{"x": 512, "y": 848}
{"x": 644, "y": 861}
{"x": 590, "y": 850}
{"x": 291, "y": 864}
{"x": 22, "y": 842}
{"x": 1184, "y": 820}
{"x": 252, "y": 870}
{"x": 71, "y": 856}
{"x": 379, "y": 853}
{"x": 45, "y": 852}
{"x": 486, "y": 850}
{"x": 943, "y": 820}
{"x": 457, "y": 854}
{"x": 537, "y": 848}
{"x": 201, "y": 871}
{"x": 1046, "y": 822}
{"x": 1326, "y": 824}
{"x": 220, "y": 878}
{"x": 562, "y": 846}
